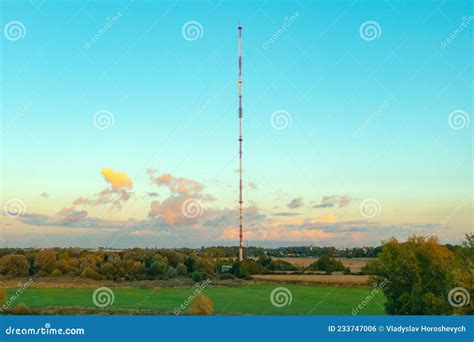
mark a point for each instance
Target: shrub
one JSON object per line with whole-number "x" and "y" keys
{"x": 15, "y": 266}
{"x": 281, "y": 265}
{"x": 89, "y": 273}
{"x": 327, "y": 264}
{"x": 181, "y": 269}
{"x": 56, "y": 273}
{"x": 197, "y": 277}
{"x": 42, "y": 273}
{"x": 201, "y": 305}
{"x": 225, "y": 276}
{"x": 246, "y": 268}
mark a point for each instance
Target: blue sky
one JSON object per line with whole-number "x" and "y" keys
{"x": 369, "y": 119}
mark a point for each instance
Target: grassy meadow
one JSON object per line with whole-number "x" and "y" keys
{"x": 253, "y": 299}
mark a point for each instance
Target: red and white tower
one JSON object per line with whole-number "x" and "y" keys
{"x": 241, "y": 200}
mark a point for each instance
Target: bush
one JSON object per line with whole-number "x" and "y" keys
{"x": 197, "y": 277}
{"x": 327, "y": 264}
{"x": 181, "y": 269}
{"x": 14, "y": 265}
{"x": 21, "y": 309}
{"x": 226, "y": 276}
{"x": 56, "y": 273}
{"x": 281, "y": 265}
{"x": 89, "y": 273}
{"x": 246, "y": 268}
{"x": 42, "y": 273}
{"x": 201, "y": 305}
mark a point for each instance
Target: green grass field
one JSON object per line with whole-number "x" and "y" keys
{"x": 247, "y": 300}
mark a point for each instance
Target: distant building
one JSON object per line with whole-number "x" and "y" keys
{"x": 225, "y": 268}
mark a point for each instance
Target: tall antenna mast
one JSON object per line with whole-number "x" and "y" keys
{"x": 241, "y": 201}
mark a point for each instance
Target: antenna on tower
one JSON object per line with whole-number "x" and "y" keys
{"x": 241, "y": 201}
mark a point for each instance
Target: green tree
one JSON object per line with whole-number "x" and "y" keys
{"x": 181, "y": 269}
{"x": 464, "y": 273}
{"x": 247, "y": 267}
{"x": 419, "y": 275}
{"x": 197, "y": 277}
{"x": 327, "y": 264}
{"x": 192, "y": 263}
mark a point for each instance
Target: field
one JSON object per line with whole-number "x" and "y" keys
{"x": 253, "y": 299}
{"x": 355, "y": 264}
{"x": 334, "y": 279}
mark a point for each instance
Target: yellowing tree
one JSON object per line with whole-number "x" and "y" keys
{"x": 201, "y": 305}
